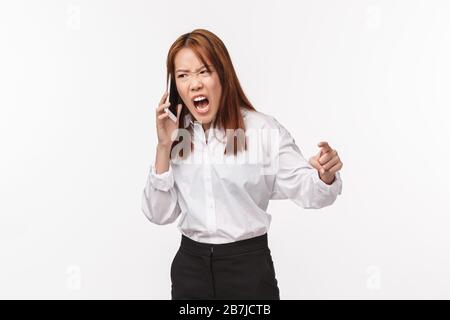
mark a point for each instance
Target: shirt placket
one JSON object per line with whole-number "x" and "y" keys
{"x": 207, "y": 182}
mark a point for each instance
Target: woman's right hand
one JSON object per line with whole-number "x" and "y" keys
{"x": 164, "y": 125}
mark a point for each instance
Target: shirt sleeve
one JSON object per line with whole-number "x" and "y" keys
{"x": 298, "y": 180}
{"x": 159, "y": 198}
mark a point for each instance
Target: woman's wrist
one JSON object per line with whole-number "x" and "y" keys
{"x": 163, "y": 148}
{"x": 327, "y": 179}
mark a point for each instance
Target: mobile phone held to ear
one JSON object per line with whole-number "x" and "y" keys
{"x": 172, "y": 109}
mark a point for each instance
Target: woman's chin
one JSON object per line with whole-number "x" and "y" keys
{"x": 203, "y": 117}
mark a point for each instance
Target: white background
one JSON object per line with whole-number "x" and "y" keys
{"x": 79, "y": 84}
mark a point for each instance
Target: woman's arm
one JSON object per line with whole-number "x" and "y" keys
{"x": 159, "y": 198}
{"x": 298, "y": 180}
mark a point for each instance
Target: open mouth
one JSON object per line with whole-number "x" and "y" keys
{"x": 201, "y": 104}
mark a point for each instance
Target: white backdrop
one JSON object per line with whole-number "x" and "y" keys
{"x": 79, "y": 83}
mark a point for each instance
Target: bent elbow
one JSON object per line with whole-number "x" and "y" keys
{"x": 315, "y": 203}
{"x": 159, "y": 214}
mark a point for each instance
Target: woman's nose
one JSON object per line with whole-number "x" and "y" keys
{"x": 196, "y": 83}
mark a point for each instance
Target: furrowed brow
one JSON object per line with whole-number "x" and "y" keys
{"x": 184, "y": 70}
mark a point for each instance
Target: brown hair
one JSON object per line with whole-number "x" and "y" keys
{"x": 205, "y": 43}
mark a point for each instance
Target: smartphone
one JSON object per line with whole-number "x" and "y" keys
{"x": 172, "y": 109}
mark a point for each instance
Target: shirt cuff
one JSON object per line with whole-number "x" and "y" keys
{"x": 162, "y": 181}
{"x": 335, "y": 187}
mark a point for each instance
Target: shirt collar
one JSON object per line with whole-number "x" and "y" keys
{"x": 188, "y": 120}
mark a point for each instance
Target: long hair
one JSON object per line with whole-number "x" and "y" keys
{"x": 206, "y": 44}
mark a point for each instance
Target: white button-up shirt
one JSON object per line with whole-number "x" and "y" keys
{"x": 223, "y": 198}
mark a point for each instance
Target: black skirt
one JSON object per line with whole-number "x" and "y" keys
{"x": 237, "y": 270}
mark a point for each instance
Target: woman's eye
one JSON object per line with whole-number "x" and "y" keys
{"x": 181, "y": 75}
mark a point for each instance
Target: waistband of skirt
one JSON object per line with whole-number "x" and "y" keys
{"x": 224, "y": 249}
